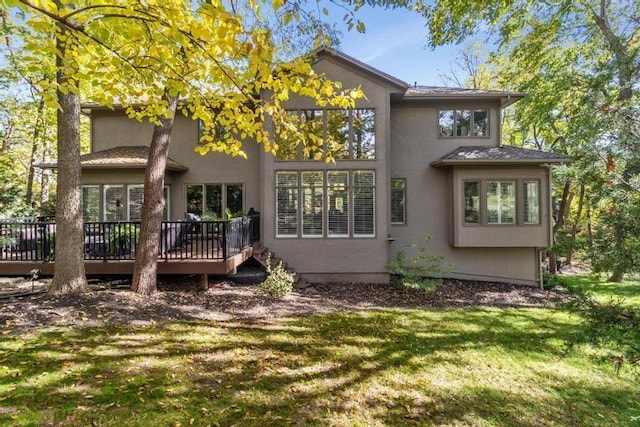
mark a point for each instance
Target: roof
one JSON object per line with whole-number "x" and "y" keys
{"x": 498, "y": 155}
{"x": 132, "y": 157}
{"x": 359, "y": 64}
{"x": 439, "y": 92}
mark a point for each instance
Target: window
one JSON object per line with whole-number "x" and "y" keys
{"x": 115, "y": 206}
{"x": 472, "y": 202}
{"x": 113, "y": 199}
{"x": 496, "y": 202}
{"x": 91, "y": 203}
{"x": 463, "y": 123}
{"x": 135, "y": 200}
{"x": 531, "y": 202}
{"x": 287, "y": 204}
{"x": 215, "y": 200}
{"x": 398, "y": 201}
{"x": 501, "y": 202}
{"x": 338, "y": 203}
{"x": 363, "y": 203}
{"x": 348, "y": 134}
{"x": 334, "y": 203}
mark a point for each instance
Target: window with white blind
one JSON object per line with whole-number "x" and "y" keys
{"x": 398, "y": 201}
{"x": 312, "y": 204}
{"x": 333, "y": 203}
{"x": 113, "y": 203}
{"x": 135, "y": 200}
{"x": 287, "y": 204}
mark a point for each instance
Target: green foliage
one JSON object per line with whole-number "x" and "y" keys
{"x": 237, "y": 214}
{"x": 612, "y": 327}
{"x": 418, "y": 269}
{"x": 279, "y": 281}
{"x": 122, "y": 238}
{"x": 47, "y": 248}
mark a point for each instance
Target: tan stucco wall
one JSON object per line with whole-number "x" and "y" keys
{"x": 360, "y": 259}
{"x": 431, "y": 196}
{"x": 112, "y": 129}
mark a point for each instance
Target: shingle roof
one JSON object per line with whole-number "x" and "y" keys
{"x": 438, "y": 92}
{"x": 504, "y": 154}
{"x": 132, "y": 157}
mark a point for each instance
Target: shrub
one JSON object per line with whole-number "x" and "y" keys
{"x": 419, "y": 270}
{"x": 279, "y": 281}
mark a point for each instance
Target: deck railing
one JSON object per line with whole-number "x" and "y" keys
{"x": 113, "y": 241}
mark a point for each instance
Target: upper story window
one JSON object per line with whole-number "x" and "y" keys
{"x": 347, "y": 134}
{"x": 463, "y": 123}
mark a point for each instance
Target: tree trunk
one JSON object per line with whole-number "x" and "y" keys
{"x": 616, "y": 276}
{"x": 562, "y": 209}
{"x": 69, "y": 274}
{"x": 146, "y": 265}
{"x": 576, "y": 224}
{"x": 34, "y": 153}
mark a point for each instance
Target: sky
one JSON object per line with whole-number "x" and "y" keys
{"x": 395, "y": 42}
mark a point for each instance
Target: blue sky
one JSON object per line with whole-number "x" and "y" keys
{"x": 395, "y": 42}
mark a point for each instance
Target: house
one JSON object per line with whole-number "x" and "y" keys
{"x": 413, "y": 161}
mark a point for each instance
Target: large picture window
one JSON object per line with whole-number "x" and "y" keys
{"x": 217, "y": 201}
{"x": 333, "y": 203}
{"x": 347, "y": 134}
{"x": 463, "y": 123}
{"x": 497, "y": 202}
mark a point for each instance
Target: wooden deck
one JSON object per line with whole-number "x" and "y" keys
{"x": 125, "y": 266}
{"x": 204, "y": 247}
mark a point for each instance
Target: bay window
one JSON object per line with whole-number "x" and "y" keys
{"x": 500, "y": 202}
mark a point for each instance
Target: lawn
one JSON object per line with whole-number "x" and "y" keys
{"x": 480, "y": 367}
{"x": 627, "y": 291}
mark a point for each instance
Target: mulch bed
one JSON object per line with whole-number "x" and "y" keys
{"x": 111, "y": 303}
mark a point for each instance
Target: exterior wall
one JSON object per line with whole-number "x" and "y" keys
{"x": 334, "y": 259}
{"x": 431, "y": 199}
{"x": 112, "y": 129}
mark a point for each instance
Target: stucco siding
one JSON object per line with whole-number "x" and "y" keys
{"x": 432, "y": 201}
{"x": 112, "y": 129}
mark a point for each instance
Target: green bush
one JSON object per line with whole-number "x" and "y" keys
{"x": 419, "y": 270}
{"x": 279, "y": 281}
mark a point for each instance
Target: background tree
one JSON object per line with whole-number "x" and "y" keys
{"x": 579, "y": 63}
{"x": 227, "y": 73}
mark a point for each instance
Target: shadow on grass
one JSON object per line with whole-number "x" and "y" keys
{"x": 407, "y": 367}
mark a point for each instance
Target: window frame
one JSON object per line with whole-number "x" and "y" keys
{"x": 326, "y": 188}
{"x": 223, "y": 195}
{"x": 298, "y": 156}
{"x": 454, "y": 126}
{"x": 403, "y": 191}
{"x": 519, "y": 215}
{"x": 125, "y": 208}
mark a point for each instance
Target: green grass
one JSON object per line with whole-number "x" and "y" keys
{"x": 597, "y": 286}
{"x": 480, "y": 367}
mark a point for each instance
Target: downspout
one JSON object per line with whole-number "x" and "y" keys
{"x": 540, "y": 268}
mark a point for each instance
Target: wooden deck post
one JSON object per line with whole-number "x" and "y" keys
{"x": 204, "y": 282}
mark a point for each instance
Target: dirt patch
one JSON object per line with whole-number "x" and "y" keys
{"x": 179, "y": 300}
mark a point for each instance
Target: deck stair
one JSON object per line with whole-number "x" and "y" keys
{"x": 261, "y": 254}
